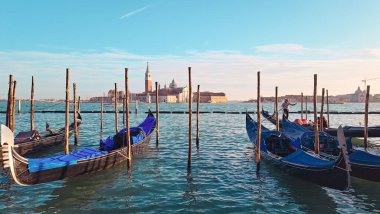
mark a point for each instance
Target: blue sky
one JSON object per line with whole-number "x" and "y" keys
{"x": 225, "y": 42}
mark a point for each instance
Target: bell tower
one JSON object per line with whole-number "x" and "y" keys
{"x": 148, "y": 79}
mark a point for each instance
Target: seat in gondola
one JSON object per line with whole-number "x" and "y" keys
{"x": 278, "y": 145}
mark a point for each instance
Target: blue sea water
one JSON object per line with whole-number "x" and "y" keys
{"x": 223, "y": 178}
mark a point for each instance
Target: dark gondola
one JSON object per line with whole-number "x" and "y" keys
{"x": 356, "y": 131}
{"x": 34, "y": 141}
{"x": 363, "y": 164}
{"x": 112, "y": 151}
{"x": 280, "y": 150}
{"x": 272, "y": 118}
{"x": 349, "y": 131}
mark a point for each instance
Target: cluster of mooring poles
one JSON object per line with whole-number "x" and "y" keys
{"x": 190, "y": 120}
{"x": 318, "y": 122}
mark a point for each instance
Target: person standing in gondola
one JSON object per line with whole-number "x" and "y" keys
{"x": 285, "y": 108}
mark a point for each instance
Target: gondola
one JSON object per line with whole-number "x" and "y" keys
{"x": 356, "y": 131}
{"x": 364, "y": 165}
{"x": 112, "y": 151}
{"x": 33, "y": 141}
{"x": 272, "y": 119}
{"x": 349, "y": 131}
{"x": 279, "y": 149}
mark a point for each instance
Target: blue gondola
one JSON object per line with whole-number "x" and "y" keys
{"x": 112, "y": 151}
{"x": 363, "y": 164}
{"x": 281, "y": 150}
{"x": 349, "y": 131}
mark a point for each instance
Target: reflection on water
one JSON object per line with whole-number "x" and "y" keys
{"x": 223, "y": 178}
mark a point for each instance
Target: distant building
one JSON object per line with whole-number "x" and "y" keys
{"x": 357, "y": 97}
{"x": 171, "y": 94}
{"x": 110, "y": 97}
{"x": 210, "y": 97}
{"x": 148, "y": 80}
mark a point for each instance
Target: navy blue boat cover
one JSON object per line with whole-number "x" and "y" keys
{"x": 294, "y": 130}
{"x": 137, "y": 134}
{"x": 38, "y": 164}
{"x": 300, "y": 157}
{"x": 362, "y": 157}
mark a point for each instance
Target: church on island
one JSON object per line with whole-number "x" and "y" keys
{"x": 171, "y": 94}
{"x": 167, "y": 94}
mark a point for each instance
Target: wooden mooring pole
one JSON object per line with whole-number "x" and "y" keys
{"x": 157, "y": 117}
{"x": 13, "y": 106}
{"x": 19, "y": 107}
{"x": 75, "y": 114}
{"x": 79, "y": 104}
{"x": 301, "y": 105}
{"x": 316, "y": 133}
{"x": 306, "y": 111}
{"x": 137, "y": 106}
{"x": 32, "y": 106}
{"x": 328, "y": 108}
{"x": 67, "y": 119}
{"x": 321, "y": 120}
{"x": 116, "y": 110}
{"x": 124, "y": 111}
{"x": 198, "y": 110}
{"x": 9, "y": 102}
{"x": 190, "y": 122}
{"x": 366, "y": 119}
{"x": 258, "y": 143}
{"x": 101, "y": 114}
{"x": 128, "y": 131}
{"x": 276, "y": 110}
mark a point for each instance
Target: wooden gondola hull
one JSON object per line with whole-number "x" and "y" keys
{"x": 367, "y": 172}
{"x": 40, "y": 144}
{"x": 356, "y": 131}
{"x": 333, "y": 177}
{"x": 82, "y": 167}
{"x": 364, "y": 171}
{"x": 270, "y": 118}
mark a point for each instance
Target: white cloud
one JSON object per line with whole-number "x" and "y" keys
{"x": 228, "y": 71}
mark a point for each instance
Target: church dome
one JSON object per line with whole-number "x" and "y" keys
{"x": 173, "y": 84}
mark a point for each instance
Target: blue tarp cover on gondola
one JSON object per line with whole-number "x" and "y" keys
{"x": 362, "y": 157}
{"x": 137, "y": 134}
{"x": 38, "y": 164}
{"x": 300, "y": 157}
{"x": 293, "y": 129}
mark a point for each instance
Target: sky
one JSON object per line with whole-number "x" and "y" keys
{"x": 225, "y": 43}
